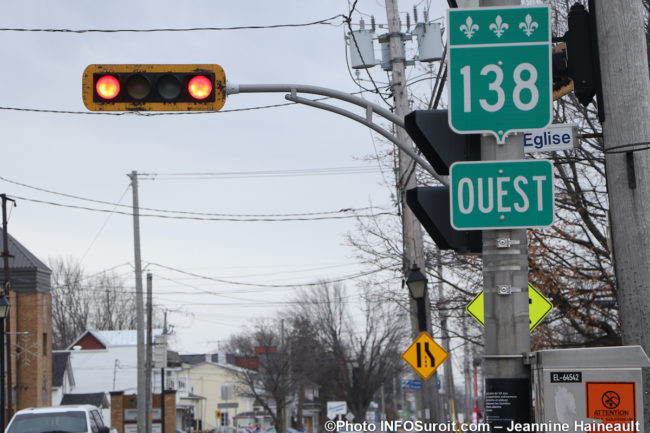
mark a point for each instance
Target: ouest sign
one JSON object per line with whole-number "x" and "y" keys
{"x": 501, "y": 194}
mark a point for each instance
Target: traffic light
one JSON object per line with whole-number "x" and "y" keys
{"x": 430, "y": 131}
{"x": 562, "y": 84}
{"x": 218, "y": 414}
{"x": 441, "y": 146}
{"x": 154, "y": 87}
{"x": 582, "y": 54}
{"x": 430, "y": 204}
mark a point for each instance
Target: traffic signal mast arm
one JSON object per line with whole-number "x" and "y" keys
{"x": 336, "y": 94}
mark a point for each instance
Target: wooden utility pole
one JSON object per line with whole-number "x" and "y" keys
{"x": 149, "y": 354}
{"x": 626, "y": 130}
{"x": 413, "y": 244}
{"x": 139, "y": 307}
{"x": 5, "y": 359}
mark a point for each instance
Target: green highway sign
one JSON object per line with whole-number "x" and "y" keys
{"x": 538, "y": 307}
{"x": 501, "y": 194}
{"x": 499, "y": 63}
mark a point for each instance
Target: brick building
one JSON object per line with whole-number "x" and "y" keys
{"x": 30, "y": 328}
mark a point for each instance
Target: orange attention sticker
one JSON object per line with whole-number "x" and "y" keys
{"x": 612, "y": 402}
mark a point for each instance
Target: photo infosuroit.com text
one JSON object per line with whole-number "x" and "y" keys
{"x": 422, "y": 426}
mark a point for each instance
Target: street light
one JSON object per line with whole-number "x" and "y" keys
{"x": 417, "y": 284}
{"x": 4, "y": 312}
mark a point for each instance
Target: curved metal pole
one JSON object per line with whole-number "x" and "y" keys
{"x": 232, "y": 88}
{"x": 372, "y": 126}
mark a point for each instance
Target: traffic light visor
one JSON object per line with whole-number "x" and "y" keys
{"x": 154, "y": 87}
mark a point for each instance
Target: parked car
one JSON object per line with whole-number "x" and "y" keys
{"x": 229, "y": 429}
{"x": 58, "y": 419}
{"x": 226, "y": 429}
{"x": 289, "y": 430}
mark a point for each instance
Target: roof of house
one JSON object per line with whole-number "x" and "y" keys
{"x": 251, "y": 414}
{"x": 98, "y": 399}
{"x": 28, "y": 272}
{"x": 202, "y": 358}
{"x": 173, "y": 359}
{"x": 197, "y": 358}
{"x": 126, "y": 337}
{"x": 60, "y": 360}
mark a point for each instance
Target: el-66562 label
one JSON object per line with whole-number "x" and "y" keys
{"x": 566, "y": 377}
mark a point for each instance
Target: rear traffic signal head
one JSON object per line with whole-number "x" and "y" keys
{"x": 430, "y": 131}
{"x": 154, "y": 87}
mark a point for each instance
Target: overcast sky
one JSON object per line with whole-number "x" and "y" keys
{"x": 90, "y": 155}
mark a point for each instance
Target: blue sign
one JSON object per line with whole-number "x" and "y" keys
{"x": 411, "y": 385}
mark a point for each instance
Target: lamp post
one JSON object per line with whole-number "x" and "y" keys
{"x": 417, "y": 284}
{"x": 4, "y": 312}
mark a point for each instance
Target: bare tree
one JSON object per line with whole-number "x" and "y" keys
{"x": 363, "y": 345}
{"x": 114, "y": 304}
{"x": 271, "y": 382}
{"x": 81, "y": 301}
{"x": 70, "y": 302}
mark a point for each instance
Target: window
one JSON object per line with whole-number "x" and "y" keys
{"x": 98, "y": 418}
{"x": 93, "y": 424}
{"x": 66, "y": 422}
{"x": 226, "y": 392}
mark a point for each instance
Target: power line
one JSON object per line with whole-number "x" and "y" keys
{"x": 194, "y": 218}
{"x": 326, "y": 21}
{"x": 327, "y": 171}
{"x": 76, "y": 197}
{"x": 143, "y": 114}
{"x": 240, "y": 283}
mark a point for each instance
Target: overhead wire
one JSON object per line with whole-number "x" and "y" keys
{"x": 326, "y": 21}
{"x": 326, "y": 171}
{"x": 76, "y": 197}
{"x": 196, "y": 218}
{"x": 143, "y": 114}
{"x": 108, "y": 217}
{"x": 162, "y": 113}
{"x": 241, "y": 283}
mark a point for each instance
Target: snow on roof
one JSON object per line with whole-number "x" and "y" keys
{"x": 127, "y": 337}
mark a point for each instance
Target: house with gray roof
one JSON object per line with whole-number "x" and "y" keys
{"x": 62, "y": 376}
{"x": 30, "y": 327}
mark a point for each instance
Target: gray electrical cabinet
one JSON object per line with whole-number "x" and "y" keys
{"x": 575, "y": 387}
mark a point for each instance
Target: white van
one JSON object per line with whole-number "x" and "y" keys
{"x": 58, "y": 419}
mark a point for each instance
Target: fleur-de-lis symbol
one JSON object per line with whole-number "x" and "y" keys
{"x": 498, "y": 27}
{"x": 469, "y": 28}
{"x": 529, "y": 26}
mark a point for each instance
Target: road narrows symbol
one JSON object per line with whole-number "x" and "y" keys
{"x": 424, "y": 355}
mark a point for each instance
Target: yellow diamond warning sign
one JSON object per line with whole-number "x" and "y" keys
{"x": 425, "y": 355}
{"x": 538, "y": 307}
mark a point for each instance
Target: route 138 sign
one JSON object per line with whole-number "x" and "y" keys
{"x": 499, "y": 64}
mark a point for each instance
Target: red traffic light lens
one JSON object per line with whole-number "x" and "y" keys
{"x": 107, "y": 87}
{"x": 200, "y": 87}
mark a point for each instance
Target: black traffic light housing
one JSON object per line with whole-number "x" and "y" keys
{"x": 430, "y": 131}
{"x": 135, "y": 87}
{"x": 441, "y": 146}
{"x": 561, "y": 81}
{"x": 583, "y": 62}
{"x": 430, "y": 204}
